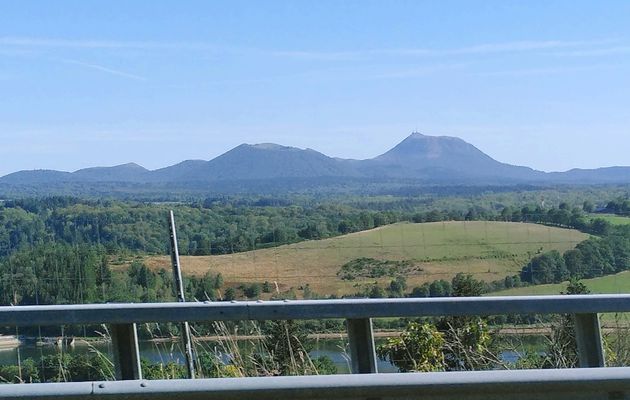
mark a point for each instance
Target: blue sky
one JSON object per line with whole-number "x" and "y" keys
{"x": 539, "y": 83}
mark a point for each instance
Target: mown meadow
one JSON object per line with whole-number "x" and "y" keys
{"x": 489, "y": 250}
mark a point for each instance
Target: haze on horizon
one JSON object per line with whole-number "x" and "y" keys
{"x": 101, "y": 83}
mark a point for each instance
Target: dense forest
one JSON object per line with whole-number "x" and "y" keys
{"x": 234, "y": 224}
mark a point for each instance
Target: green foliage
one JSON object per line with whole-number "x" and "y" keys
{"x": 453, "y": 343}
{"x": 210, "y": 365}
{"x": 252, "y": 291}
{"x": 619, "y": 206}
{"x": 545, "y": 268}
{"x": 60, "y": 367}
{"x": 376, "y": 292}
{"x": 596, "y": 256}
{"x": 287, "y": 344}
{"x": 467, "y": 343}
{"x": 55, "y": 274}
{"x": 366, "y": 267}
{"x": 577, "y": 287}
{"x": 208, "y": 227}
{"x": 204, "y": 288}
{"x": 324, "y": 365}
{"x": 467, "y": 339}
{"x": 440, "y": 288}
{"x": 230, "y": 294}
{"x": 64, "y": 367}
{"x": 226, "y": 225}
{"x": 93, "y": 366}
{"x": 398, "y": 286}
{"x": 419, "y": 348}
{"x": 218, "y": 281}
{"x": 28, "y": 372}
{"x": 530, "y": 360}
{"x": 588, "y": 206}
{"x": 464, "y": 285}
{"x": 168, "y": 370}
{"x": 421, "y": 291}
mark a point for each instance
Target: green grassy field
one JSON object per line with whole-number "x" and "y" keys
{"x": 611, "y": 284}
{"x": 613, "y": 219}
{"x": 618, "y": 283}
{"x": 488, "y": 250}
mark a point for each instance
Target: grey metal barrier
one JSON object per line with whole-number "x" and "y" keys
{"x": 607, "y": 382}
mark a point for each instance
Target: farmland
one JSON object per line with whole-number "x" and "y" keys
{"x": 613, "y": 219}
{"x": 611, "y": 284}
{"x": 488, "y": 250}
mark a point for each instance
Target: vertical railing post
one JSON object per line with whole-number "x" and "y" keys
{"x": 362, "y": 350}
{"x": 126, "y": 351}
{"x": 179, "y": 292}
{"x": 588, "y": 336}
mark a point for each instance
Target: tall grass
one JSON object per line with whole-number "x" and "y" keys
{"x": 243, "y": 350}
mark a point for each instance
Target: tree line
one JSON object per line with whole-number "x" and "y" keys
{"x": 223, "y": 226}
{"x": 619, "y": 206}
{"x": 594, "y": 257}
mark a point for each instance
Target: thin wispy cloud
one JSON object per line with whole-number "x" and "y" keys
{"x": 576, "y": 47}
{"x": 487, "y": 48}
{"x": 106, "y": 70}
{"x": 521, "y": 46}
{"x": 14, "y": 51}
{"x": 550, "y": 70}
{"x": 349, "y": 74}
{"x": 607, "y": 51}
{"x": 313, "y": 55}
{"x": 403, "y": 73}
{"x": 38, "y": 42}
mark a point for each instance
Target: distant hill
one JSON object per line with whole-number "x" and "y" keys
{"x": 418, "y": 159}
{"x": 422, "y": 156}
{"x": 130, "y": 172}
{"x": 176, "y": 172}
{"x": 598, "y": 175}
{"x": 36, "y": 176}
{"x": 268, "y": 160}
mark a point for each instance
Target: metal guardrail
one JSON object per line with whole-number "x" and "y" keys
{"x": 588, "y": 383}
{"x": 120, "y": 313}
{"x": 610, "y": 383}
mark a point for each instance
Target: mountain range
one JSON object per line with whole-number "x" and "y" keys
{"x": 418, "y": 158}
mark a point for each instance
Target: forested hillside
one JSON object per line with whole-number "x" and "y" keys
{"x": 64, "y": 250}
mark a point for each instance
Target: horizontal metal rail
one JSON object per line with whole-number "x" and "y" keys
{"x": 604, "y": 383}
{"x": 588, "y": 383}
{"x": 127, "y": 313}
